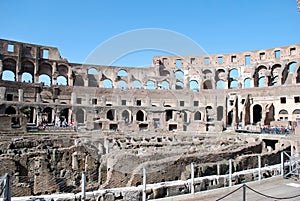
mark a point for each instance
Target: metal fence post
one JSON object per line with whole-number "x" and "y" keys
{"x": 244, "y": 192}
{"x": 230, "y": 172}
{"x": 259, "y": 167}
{"x": 144, "y": 184}
{"x": 282, "y": 164}
{"x": 192, "y": 178}
{"x": 7, "y": 188}
{"x": 83, "y": 186}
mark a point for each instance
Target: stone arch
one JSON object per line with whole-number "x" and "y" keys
{"x": 122, "y": 84}
{"x": 292, "y": 66}
{"x": 259, "y": 72}
{"x": 261, "y": 81}
{"x": 78, "y": 81}
{"x": 80, "y": 116}
{"x": 257, "y": 113}
{"x": 61, "y": 80}
{"x": 45, "y": 79}
{"x": 27, "y": 71}
{"x": 179, "y": 85}
{"x": 150, "y": 84}
{"x": 45, "y": 68}
{"x": 247, "y": 83}
{"x": 209, "y": 113}
{"x": 220, "y": 84}
{"x": 111, "y": 115}
{"x": 136, "y": 84}
{"x": 165, "y": 85}
{"x": 179, "y": 75}
{"x": 10, "y": 110}
{"x": 47, "y": 115}
{"x": 126, "y": 117}
{"x": 9, "y": 69}
{"x": 107, "y": 83}
{"x": 197, "y": 116}
{"x": 207, "y": 74}
{"x": 194, "y": 85}
{"x": 92, "y": 71}
{"x": 140, "y": 116}
{"x": 220, "y": 110}
{"x": 63, "y": 70}
{"x": 207, "y": 84}
{"x": 122, "y": 73}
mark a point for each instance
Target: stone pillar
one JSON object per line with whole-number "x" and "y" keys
{"x": 20, "y": 93}
{"x": 53, "y": 76}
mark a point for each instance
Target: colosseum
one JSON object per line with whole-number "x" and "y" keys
{"x": 209, "y": 93}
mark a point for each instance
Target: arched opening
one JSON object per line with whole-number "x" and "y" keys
{"x": 209, "y": 114}
{"x": 220, "y": 84}
{"x": 296, "y": 116}
{"x": 169, "y": 115}
{"x": 165, "y": 85}
{"x": 219, "y": 113}
{"x": 27, "y": 77}
{"x": 64, "y": 116}
{"x": 122, "y": 73}
{"x": 283, "y": 115}
{"x": 29, "y": 113}
{"x": 179, "y": 75}
{"x": 126, "y": 116}
{"x": 47, "y": 115}
{"x": 257, "y": 113}
{"x": 185, "y": 117}
{"x": 8, "y": 75}
{"x": 150, "y": 85}
{"x": 78, "y": 81}
{"x": 261, "y": 82}
{"x": 298, "y": 76}
{"x": 247, "y": 83}
{"x": 136, "y": 84}
{"x": 107, "y": 83}
{"x": 80, "y": 116}
{"x": 10, "y": 110}
{"x": 92, "y": 71}
{"x": 207, "y": 74}
{"x": 197, "y": 116}
{"x": 122, "y": 85}
{"x": 62, "y": 80}
{"x": 63, "y": 70}
{"x": 194, "y": 85}
{"x": 9, "y": 70}
{"x": 93, "y": 78}
{"x": 234, "y": 84}
{"x": 260, "y": 72}
{"x": 179, "y": 85}
{"x": 207, "y": 84}
{"x": 140, "y": 116}
{"x": 27, "y": 71}
{"x": 292, "y": 66}
{"x": 45, "y": 79}
{"x": 110, "y": 114}
{"x": 234, "y": 74}
{"x": 229, "y": 118}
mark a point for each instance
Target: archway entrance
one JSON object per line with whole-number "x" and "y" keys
{"x": 257, "y": 113}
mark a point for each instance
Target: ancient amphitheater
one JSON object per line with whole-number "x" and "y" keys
{"x": 112, "y": 121}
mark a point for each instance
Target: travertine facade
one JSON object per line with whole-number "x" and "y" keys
{"x": 201, "y": 93}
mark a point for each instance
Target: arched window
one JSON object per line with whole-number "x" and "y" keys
{"x": 110, "y": 114}
{"x": 150, "y": 85}
{"x": 247, "y": 83}
{"x": 8, "y": 75}
{"x": 126, "y": 116}
{"x": 197, "y": 116}
{"x": 10, "y": 110}
{"x": 207, "y": 84}
{"x": 122, "y": 73}
{"x": 261, "y": 82}
{"x": 107, "y": 83}
{"x": 62, "y": 80}
{"x": 46, "y": 79}
{"x": 136, "y": 84}
{"x": 179, "y": 75}
{"x": 140, "y": 116}
{"x": 194, "y": 85}
{"x": 234, "y": 84}
{"x": 27, "y": 77}
{"x": 292, "y": 66}
{"x": 234, "y": 74}
{"x": 165, "y": 85}
{"x": 80, "y": 116}
{"x": 122, "y": 84}
{"x": 93, "y": 71}
{"x": 78, "y": 81}
{"x": 220, "y": 84}
{"x": 179, "y": 85}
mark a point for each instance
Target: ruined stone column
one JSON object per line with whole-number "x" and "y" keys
{"x": 21, "y": 95}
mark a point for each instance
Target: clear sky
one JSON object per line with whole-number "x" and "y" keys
{"x": 218, "y": 26}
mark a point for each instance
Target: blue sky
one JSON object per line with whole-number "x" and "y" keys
{"x": 218, "y": 26}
